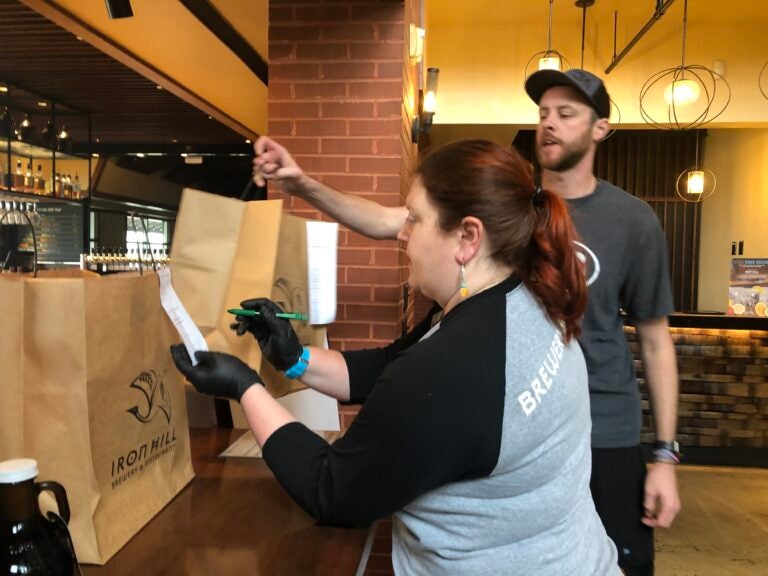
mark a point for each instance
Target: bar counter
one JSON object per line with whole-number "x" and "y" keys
{"x": 716, "y": 320}
{"x": 723, "y": 371}
{"x": 234, "y": 519}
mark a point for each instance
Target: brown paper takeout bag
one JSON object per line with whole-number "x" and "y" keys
{"x": 90, "y": 391}
{"x": 225, "y": 251}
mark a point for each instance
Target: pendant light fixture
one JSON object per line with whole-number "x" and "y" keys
{"x": 548, "y": 59}
{"x": 583, "y": 5}
{"x": 762, "y": 81}
{"x": 696, "y": 184}
{"x": 693, "y": 95}
{"x": 27, "y": 130}
{"x": 7, "y": 125}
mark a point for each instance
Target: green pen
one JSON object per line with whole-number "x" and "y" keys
{"x": 289, "y": 315}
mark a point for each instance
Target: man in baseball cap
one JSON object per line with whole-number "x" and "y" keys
{"x": 624, "y": 250}
{"x": 589, "y": 86}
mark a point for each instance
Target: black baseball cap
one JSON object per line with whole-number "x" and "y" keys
{"x": 585, "y": 83}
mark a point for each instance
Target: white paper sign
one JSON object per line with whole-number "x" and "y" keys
{"x": 322, "y": 242}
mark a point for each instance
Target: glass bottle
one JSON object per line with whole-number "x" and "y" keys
{"x": 29, "y": 182}
{"x": 32, "y": 544}
{"x": 18, "y": 178}
{"x": 57, "y": 185}
{"x": 76, "y": 187}
{"x": 67, "y": 185}
{"x": 39, "y": 180}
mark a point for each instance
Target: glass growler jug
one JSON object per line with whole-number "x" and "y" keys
{"x": 29, "y": 542}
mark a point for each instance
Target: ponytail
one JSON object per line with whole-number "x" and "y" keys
{"x": 555, "y": 274}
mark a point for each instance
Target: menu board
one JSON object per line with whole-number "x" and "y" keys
{"x": 748, "y": 289}
{"x": 59, "y": 233}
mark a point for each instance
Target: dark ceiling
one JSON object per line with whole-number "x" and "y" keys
{"x": 49, "y": 63}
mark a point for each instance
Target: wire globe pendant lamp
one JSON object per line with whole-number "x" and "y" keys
{"x": 692, "y": 95}
{"x": 696, "y": 184}
{"x": 548, "y": 59}
{"x": 762, "y": 81}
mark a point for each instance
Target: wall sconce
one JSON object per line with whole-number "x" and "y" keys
{"x": 416, "y": 43}
{"x": 422, "y": 122}
{"x": 119, "y": 9}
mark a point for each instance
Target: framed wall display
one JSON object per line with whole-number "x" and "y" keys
{"x": 748, "y": 287}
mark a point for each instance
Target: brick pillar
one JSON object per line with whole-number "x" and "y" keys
{"x": 341, "y": 89}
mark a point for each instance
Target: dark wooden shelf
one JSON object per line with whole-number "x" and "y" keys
{"x": 718, "y": 321}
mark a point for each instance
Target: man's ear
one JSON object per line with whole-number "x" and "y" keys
{"x": 471, "y": 232}
{"x": 600, "y": 129}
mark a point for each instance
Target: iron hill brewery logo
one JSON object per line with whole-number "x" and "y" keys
{"x": 158, "y": 399}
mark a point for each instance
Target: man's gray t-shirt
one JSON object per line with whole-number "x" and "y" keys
{"x": 625, "y": 253}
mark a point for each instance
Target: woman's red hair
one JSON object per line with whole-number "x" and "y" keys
{"x": 493, "y": 183}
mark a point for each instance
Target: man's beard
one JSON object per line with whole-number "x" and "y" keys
{"x": 572, "y": 155}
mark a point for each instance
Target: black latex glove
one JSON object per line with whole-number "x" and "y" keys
{"x": 277, "y": 340}
{"x": 216, "y": 373}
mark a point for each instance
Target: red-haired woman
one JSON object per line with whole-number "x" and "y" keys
{"x": 474, "y": 433}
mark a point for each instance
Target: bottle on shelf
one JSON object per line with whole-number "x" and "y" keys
{"x": 39, "y": 180}
{"x": 57, "y": 185}
{"x": 76, "y": 191}
{"x": 18, "y": 178}
{"x": 68, "y": 186}
{"x": 29, "y": 181}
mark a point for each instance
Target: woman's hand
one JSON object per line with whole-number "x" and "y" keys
{"x": 276, "y": 337}
{"x": 216, "y": 373}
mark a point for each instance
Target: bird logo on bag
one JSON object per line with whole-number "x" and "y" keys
{"x": 158, "y": 399}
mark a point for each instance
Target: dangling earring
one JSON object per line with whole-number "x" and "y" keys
{"x": 463, "y": 290}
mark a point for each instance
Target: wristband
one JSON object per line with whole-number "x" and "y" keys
{"x": 664, "y": 455}
{"x": 298, "y": 369}
{"x": 665, "y": 451}
{"x": 667, "y": 445}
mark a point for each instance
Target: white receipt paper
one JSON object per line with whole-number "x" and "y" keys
{"x": 190, "y": 334}
{"x": 322, "y": 241}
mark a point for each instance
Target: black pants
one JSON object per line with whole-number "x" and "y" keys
{"x": 618, "y": 484}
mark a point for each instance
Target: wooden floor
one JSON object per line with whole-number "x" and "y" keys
{"x": 723, "y": 527}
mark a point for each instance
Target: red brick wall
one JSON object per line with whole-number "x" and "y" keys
{"x": 341, "y": 89}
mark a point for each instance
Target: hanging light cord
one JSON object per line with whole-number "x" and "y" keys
{"x": 549, "y": 34}
{"x": 583, "y": 32}
{"x": 685, "y": 29}
{"x": 696, "y": 157}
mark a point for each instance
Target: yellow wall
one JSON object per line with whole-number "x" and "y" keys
{"x": 737, "y": 210}
{"x": 482, "y": 48}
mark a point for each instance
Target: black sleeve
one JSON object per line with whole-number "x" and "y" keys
{"x": 365, "y": 366}
{"x": 420, "y": 429}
